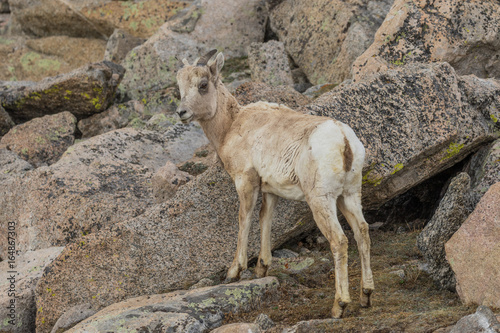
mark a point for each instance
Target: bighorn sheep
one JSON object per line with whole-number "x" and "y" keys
{"x": 284, "y": 154}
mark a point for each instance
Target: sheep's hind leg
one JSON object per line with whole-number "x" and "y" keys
{"x": 247, "y": 193}
{"x": 350, "y": 206}
{"x": 325, "y": 214}
{"x": 266, "y": 215}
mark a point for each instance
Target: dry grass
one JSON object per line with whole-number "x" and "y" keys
{"x": 409, "y": 304}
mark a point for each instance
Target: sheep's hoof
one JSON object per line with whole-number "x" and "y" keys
{"x": 230, "y": 280}
{"x": 338, "y": 309}
{"x": 261, "y": 270}
{"x": 365, "y": 300}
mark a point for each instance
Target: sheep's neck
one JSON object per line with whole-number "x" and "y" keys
{"x": 217, "y": 127}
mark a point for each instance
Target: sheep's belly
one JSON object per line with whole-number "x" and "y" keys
{"x": 287, "y": 191}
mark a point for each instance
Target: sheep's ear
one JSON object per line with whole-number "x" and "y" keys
{"x": 216, "y": 66}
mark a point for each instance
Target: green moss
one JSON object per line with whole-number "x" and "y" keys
{"x": 24, "y": 151}
{"x": 236, "y": 295}
{"x": 494, "y": 118}
{"x": 452, "y": 150}
{"x": 397, "y": 168}
{"x": 40, "y": 140}
{"x": 401, "y": 35}
{"x": 203, "y": 304}
{"x": 401, "y": 62}
{"x": 5, "y": 41}
{"x": 149, "y": 23}
{"x": 137, "y": 123}
{"x": 375, "y": 181}
{"x": 33, "y": 62}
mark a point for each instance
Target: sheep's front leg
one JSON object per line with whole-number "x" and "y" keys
{"x": 248, "y": 191}
{"x": 269, "y": 201}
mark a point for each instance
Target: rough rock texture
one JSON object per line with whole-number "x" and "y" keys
{"x": 83, "y": 92}
{"x": 163, "y": 249}
{"x": 97, "y": 182}
{"x": 23, "y": 272}
{"x": 91, "y": 18}
{"x": 11, "y": 165}
{"x": 116, "y": 117}
{"x": 485, "y": 171}
{"x": 42, "y": 140}
{"x": 227, "y": 25}
{"x": 483, "y": 321}
{"x": 77, "y": 52}
{"x": 72, "y": 317}
{"x": 252, "y": 92}
{"x": 324, "y": 37}
{"x": 6, "y": 122}
{"x": 465, "y": 34}
{"x": 193, "y": 311}
{"x": 119, "y": 44}
{"x": 268, "y": 63}
{"x": 167, "y": 180}
{"x": 452, "y": 211}
{"x": 318, "y": 90}
{"x": 414, "y": 123}
{"x": 473, "y": 252}
{"x": 36, "y": 59}
{"x": 311, "y": 326}
{"x": 238, "y": 328}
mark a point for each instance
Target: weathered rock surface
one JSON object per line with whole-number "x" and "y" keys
{"x": 167, "y": 180}
{"x": 194, "y": 311}
{"x": 116, "y": 117}
{"x": 485, "y": 171}
{"x": 465, "y": 34}
{"x": 11, "y": 165}
{"x": 97, "y": 182}
{"x": 268, "y": 63}
{"x": 36, "y": 59}
{"x": 72, "y": 317}
{"x": 318, "y": 90}
{"x": 43, "y": 140}
{"x": 414, "y": 123}
{"x": 473, "y": 253}
{"x": 227, "y": 25}
{"x": 163, "y": 249}
{"x": 252, "y": 92}
{"x": 119, "y": 44}
{"x": 83, "y": 92}
{"x": 324, "y": 37}
{"x": 452, "y": 211}
{"x": 5, "y": 122}
{"x": 312, "y": 326}
{"x": 91, "y": 18}
{"x": 483, "y": 321}
{"x": 18, "y": 310}
{"x": 238, "y": 328}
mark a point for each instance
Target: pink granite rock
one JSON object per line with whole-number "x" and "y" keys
{"x": 474, "y": 252}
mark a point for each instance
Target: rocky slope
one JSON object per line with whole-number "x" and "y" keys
{"x": 112, "y": 206}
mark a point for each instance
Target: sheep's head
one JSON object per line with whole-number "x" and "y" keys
{"x": 198, "y": 87}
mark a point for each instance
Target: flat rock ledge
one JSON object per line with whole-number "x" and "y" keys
{"x": 198, "y": 310}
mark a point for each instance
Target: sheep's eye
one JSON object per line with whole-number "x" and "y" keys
{"x": 203, "y": 85}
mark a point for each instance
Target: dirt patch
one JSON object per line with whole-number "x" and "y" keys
{"x": 400, "y": 304}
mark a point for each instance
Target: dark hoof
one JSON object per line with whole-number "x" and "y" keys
{"x": 365, "y": 301}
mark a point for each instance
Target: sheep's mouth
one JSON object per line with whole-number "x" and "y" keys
{"x": 187, "y": 120}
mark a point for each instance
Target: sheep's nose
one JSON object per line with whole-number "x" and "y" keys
{"x": 181, "y": 112}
